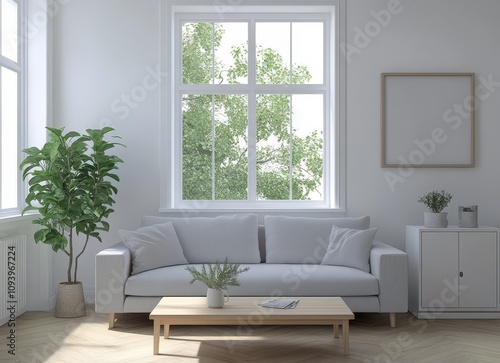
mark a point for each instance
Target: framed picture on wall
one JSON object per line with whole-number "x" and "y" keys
{"x": 427, "y": 120}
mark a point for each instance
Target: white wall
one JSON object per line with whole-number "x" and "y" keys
{"x": 425, "y": 36}
{"x": 104, "y": 49}
{"x": 103, "y": 52}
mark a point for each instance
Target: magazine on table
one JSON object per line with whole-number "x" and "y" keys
{"x": 280, "y": 303}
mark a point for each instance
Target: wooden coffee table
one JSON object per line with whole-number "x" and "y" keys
{"x": 194, "y": 311}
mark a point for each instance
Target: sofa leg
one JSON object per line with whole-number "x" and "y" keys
{"x": 392, "y": 319}
{"x": 111, "y": 320}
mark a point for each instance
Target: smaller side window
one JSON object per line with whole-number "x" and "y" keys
{"x": 11, "y": 90}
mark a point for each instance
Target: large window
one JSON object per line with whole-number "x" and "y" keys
{"x": 253, "y": 108}
{"x": 11, "y": 90}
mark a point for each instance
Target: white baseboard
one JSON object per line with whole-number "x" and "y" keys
{"x": 454, "y": 314}
{"x": 89, "y": 299}
{"x": 52, "y": 302}
{"x": 89, "y": 296}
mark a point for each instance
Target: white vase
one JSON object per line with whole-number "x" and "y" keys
{"x": 436, "y": 220}
{"x": 216, "y": 298}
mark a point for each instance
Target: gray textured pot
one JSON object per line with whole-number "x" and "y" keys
{"x": 467, "y": 216}
{"x": 436, "y": 220}
{"x": 70, "y": 301}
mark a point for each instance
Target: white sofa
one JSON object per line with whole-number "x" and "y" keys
{"x": 286, "y": 258}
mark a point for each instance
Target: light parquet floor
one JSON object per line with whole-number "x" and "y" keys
{"x": 40, "y": 337}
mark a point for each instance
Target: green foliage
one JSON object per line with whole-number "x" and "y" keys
{"x": 71, "y": 187}
{"x": 228, "y": 154}
{"x": 217, "y": 276}
{"x": 436, "y": 201}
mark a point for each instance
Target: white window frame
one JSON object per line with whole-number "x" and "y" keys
{"x": 334, "y": 173}
{"x": 20, "y": 68}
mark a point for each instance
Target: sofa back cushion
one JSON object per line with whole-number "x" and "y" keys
{"x": 350, "y": 247}
{"x": 153, "y": 247}
{"x": 206, "y": 240}
{"x": 302, "y": 239}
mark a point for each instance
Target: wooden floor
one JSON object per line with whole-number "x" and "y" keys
{"x": 40, "y": 337}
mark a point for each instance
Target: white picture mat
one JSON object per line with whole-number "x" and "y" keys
{"x": 428, "y": 120}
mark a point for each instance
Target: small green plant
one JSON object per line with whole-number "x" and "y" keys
{"x": 216, "y": 276}
{"x": 436, "y": 201}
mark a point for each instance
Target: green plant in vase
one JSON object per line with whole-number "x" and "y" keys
{"x": 436, "y": 201}
{"x": 217, "y": 278}
{"x": 71, "y": 187}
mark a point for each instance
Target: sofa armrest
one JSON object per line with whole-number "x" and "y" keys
{"x": 390, "y": 266}
{"x": 113, "y": 266}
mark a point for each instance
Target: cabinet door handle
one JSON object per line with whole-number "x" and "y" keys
{"x": 461, "y": 274}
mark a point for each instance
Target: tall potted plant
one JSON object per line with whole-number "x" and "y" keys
{"x": 71, "y": 188}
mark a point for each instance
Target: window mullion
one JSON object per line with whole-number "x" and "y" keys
{"x": 291, "y": 52}
{"x": 291, "y": 113}
{"x": 291, "y": 146}
{"x": 252, "y": 118}
{"x": 177, "y": 127}
{"x": 252, "y": 147}
{"x": 213, "y": 53}
{"x": 213, "y": 147}
{"x": 9, "y": 64}
{"x": 213, "y": 112}
{"x": 1, "y": 131}
{"x": 252, "y": 54}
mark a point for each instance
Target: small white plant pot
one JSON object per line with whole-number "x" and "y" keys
{"x": 216, "y": 298}
{"x": 436, "y": 220}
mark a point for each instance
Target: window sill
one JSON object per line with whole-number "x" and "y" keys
{"x": 16, "y": 216}
{"x": 16, "y": 220}
{"x": 334, "y": 212}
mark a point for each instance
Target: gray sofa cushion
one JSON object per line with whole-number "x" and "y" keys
{"x": 301, "y": 239}
{"x": 261, "y": 280}
{"x": 213, "y": 239}
{"x": 350, "y": 247}
{"x": 153, "y": 247}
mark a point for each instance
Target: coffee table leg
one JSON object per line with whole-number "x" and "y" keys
{"x": 335, "y": 330}
{"x": 156, "y": 337}
{"x": 345, "y": 336}
{"x": 166, "y": 329}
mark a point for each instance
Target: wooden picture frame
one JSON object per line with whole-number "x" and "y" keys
{"x": 427, "y": 120}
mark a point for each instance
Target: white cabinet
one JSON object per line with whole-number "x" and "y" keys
{"x": 453, "y": 272}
